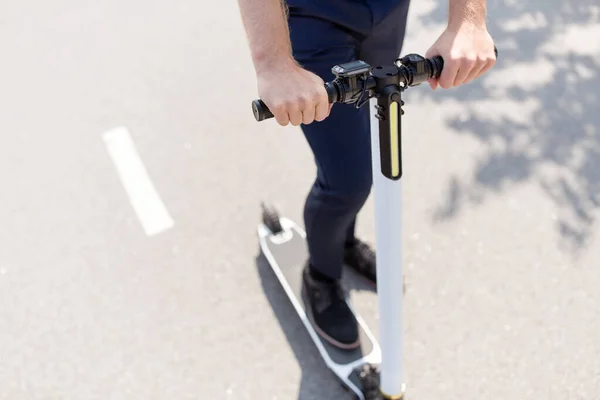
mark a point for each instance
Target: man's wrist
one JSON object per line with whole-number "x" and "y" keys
{"x": 470, "y": 14}
{"x": 269, "y": 62}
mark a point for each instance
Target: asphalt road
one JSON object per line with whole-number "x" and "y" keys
{"x": 502, "y": 196}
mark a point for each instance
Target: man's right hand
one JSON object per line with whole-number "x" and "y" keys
{"x": 293, "y": 94}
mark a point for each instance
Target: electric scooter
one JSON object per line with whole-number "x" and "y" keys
{"x": 374, "y": 371}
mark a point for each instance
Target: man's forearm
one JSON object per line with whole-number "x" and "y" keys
{"x": 461, "y": 12}
{"x": 267, "y": 30}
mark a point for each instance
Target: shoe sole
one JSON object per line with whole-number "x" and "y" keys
{"x": 326, "y": 337}
{"x": 371, "y": 283}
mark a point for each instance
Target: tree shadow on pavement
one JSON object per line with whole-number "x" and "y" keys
{"x": 318, "y": 382}
{"x": 537, "y": 113}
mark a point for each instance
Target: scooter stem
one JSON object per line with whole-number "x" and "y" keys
{"x": 387, "y": 186}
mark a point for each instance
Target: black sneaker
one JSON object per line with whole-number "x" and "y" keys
{"x": 329, "y": 313}
{"x": 360, "y": 257}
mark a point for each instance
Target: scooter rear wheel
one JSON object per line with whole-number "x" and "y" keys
{"x": 270, "y": 218}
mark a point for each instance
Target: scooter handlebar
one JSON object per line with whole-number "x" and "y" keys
{"x": 262, "y": 112}
{"x": 435, "y": 66}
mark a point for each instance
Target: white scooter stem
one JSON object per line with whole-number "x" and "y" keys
{"x": 388, "y": 247}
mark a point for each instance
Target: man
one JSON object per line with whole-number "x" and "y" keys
{"x": 293, "y": 47}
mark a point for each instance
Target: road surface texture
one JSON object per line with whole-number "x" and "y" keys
{"x": 106, "y": 297}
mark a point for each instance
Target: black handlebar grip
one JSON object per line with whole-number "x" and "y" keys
{"x": 262, "y": 112}
{"x": 437, "y": 64}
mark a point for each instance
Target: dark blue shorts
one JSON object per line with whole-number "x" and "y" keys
{"x": 325, "y": 33}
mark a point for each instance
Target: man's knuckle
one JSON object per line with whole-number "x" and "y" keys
{"x": 455, "y": 56}
{"x": 278, "y": 106}
{"x": 465, "y": 60}
{"x": 316, "y": 96}
{"x": 291, "y": 104}
{"x": 304, "y": 100}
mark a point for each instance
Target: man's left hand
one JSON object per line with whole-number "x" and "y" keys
{"x": 468, "y": 53}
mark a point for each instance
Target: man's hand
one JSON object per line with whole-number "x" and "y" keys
{"x": 293, "y": 94}
{"x": 466, "y": 46}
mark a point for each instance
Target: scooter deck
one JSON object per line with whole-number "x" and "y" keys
{"x": 287, "y": 253}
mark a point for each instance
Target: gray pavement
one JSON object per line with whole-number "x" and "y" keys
{"x": 502, "y": 193}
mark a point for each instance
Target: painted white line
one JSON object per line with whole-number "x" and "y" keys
{"x": 143, "y": 196}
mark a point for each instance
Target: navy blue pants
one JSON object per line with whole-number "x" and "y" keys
{"x": 325, "y": 33}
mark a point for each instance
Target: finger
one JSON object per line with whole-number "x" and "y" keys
{"x": 488, "y": 65}
{"x": 476, "y": 71}
{"x": 280, "y": 114}
{"x": 448, "y": 74}
{"x": 485, "y": 63}
{"x": 466, "y": 66}
{"x": 322, "y": 109}
{"x": 432, "y": 52}
{"x": 282, "y": 119}
{"x": 433, "y": 83}
{"x": 308, "y": 113}
{"x": 295, "y": 116}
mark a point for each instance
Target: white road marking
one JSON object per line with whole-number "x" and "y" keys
{"x": 143, "y": 196}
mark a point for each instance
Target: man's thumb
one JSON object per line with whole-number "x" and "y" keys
{"x": 432, "y": 52}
